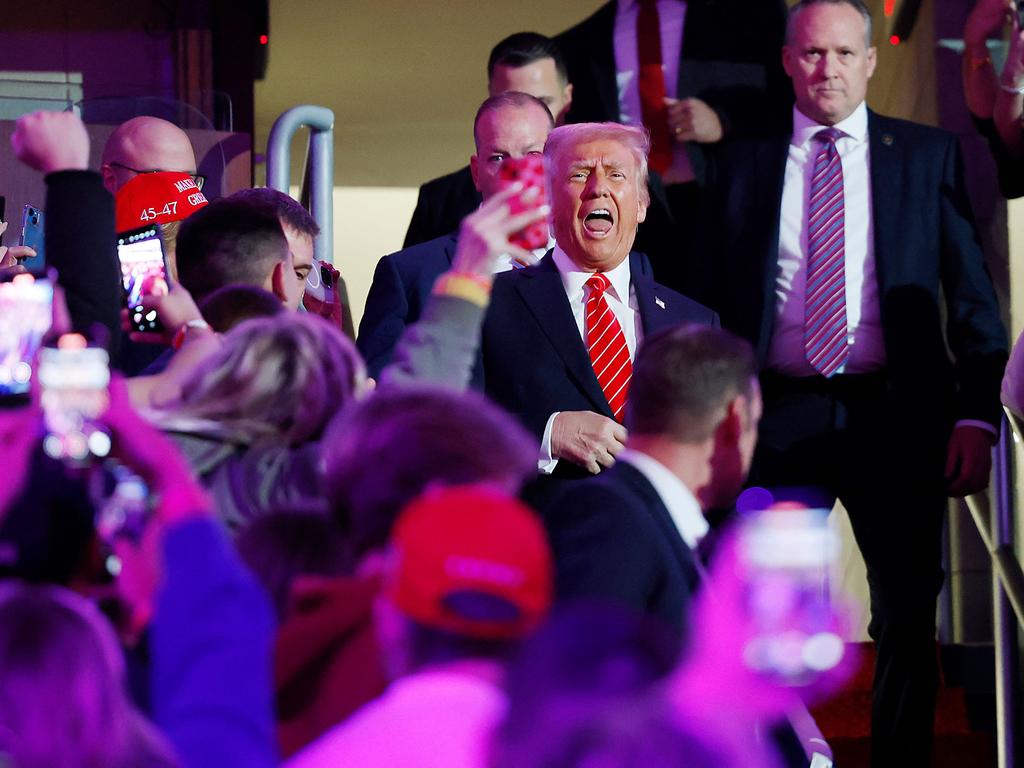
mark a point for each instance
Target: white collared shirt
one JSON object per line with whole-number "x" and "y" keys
{"x": 682, "y": 505}
{"x": 505, "y": 263}
{"x": 622, "y": 300}
{"x": 863, "y": 320}
{"x": 671, "y": 19}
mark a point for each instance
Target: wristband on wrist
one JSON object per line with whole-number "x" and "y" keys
{"x": 179, "y": 337}
{"x": 472, "y": 288}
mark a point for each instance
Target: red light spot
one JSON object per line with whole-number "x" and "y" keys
{"x": 895, "y": 39}
{"x": 889, "y": 8}
{"x": 264, "y": 39}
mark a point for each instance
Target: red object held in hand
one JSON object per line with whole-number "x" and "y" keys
{"x": 529, "y": 171}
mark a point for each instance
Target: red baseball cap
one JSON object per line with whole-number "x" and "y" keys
{"x": 471, "y": 561}
{"x": 156, "y": 198}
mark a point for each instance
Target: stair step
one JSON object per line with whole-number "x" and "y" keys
{"x": 951, "y": 751}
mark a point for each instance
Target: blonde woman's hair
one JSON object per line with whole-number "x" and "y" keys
{"x": 274, "y": 380}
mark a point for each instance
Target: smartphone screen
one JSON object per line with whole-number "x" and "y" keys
{"x": 529, "y": 171}
{"x": 319, "y": 281}
{"x": 143, "y": 273}
{"x": 32, "y": 236}
{"x": 74, "y": 380}
{"x": 26, "y": 312}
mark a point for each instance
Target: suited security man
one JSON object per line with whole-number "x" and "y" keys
{"x": 629, "y": 535}
{"x": 559, "y": 338}
{"x": 525, "y": 62}
{"x": 692, "y": 72}
{"x": 511, "y": 124}
{"x": 830, "y": 247}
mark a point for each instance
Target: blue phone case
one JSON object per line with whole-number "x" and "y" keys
{"x": 32, "y": 236}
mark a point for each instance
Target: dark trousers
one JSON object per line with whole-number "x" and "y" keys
{"x": 848, "y": 438}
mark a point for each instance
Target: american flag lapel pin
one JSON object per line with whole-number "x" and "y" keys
{"x": 659, "y": 302}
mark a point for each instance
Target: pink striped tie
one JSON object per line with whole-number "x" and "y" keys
{"x": 607, "y": 346}
{"x": 825, "y": 297}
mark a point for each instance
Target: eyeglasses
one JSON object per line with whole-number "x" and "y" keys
{"x": 198, "y": 178}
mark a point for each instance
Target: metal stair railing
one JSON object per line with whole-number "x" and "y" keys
{"x": 320, "y": 167}
{"x": 997, "y": 532}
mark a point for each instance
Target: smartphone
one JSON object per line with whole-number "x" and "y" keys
{"x": 26, "y": 313}
{"x": 74, "y": 380}
{"x": 143, "y": 273}
{"x": 3, "y": 215}
{"x": 320, "y": 280}
{"x": 788, "y": 555}
{"x": 1020, "y": 15}
{"x": 32, "y": 236}
{"x": 528, "y": 170}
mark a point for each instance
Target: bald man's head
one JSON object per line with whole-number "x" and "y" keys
{"x": 145, "y": 144}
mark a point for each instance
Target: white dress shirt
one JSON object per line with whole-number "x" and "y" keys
{"x": 505, "y": 263}
{"x": 621, "y": 298}
{"x": 863, "y": 321}
{"x": 863, "y": 317}
{"x": 682, "y": 505}
{"x": 671, "y": 19}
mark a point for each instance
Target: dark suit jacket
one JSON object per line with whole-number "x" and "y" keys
{"x": 614, "y": 540}
{"x": 929, "y": 263}
{"x": 534, "y": 360}
{"x": 401, "y": 284}
{"x": 730, "y": 58}
{"x": 441, "y": 206}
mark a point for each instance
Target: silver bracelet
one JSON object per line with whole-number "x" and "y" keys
{"x": 1011, "y": 89}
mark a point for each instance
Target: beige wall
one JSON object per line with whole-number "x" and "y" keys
{"x": 404, "y": 78}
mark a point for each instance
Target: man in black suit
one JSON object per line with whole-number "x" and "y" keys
{"x": 511, "y": 124}
{"x": 831, "y": 245}
{"x": 549, "y": 326}
{"x": 716, "y": 74}
{"x": 524, "y": 62}
{"x": 629, "y": 535}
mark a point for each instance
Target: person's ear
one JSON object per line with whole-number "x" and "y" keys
{"x": 474, "y": 170}
{"x": 730, "y": 428}
{"x": 278, "y": 285}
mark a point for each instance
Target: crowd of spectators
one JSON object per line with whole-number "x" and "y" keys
{"x": 500, "y": 528}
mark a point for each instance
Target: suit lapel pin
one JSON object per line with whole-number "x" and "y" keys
{"x": 659, "y": 302}
{"x": 887, "y": 139}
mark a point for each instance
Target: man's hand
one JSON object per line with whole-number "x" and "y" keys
{"x": 10, "y": 257}
{"x": 330, "y": 308}
{"x": 693, "y": 120}
{"x": 51, "y": 141}
{"x": 586, "y": 438}
{"x": 968, "y": 461}
{"x": 484, "y": 235}
{"x": 174, "y": 309}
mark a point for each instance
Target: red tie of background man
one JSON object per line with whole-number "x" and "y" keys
{"x": 652, "y": 85}
{"x": 825, "y": 298}
{"x": 607, "y": 346}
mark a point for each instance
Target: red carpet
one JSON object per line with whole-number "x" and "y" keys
{"x": 846, "y": 723}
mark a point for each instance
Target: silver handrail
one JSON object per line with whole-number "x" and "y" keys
{"x": 1008, "y": 588}
{"x": 320, "y": 121}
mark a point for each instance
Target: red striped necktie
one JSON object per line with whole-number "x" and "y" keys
{"x": 607, "y": 346}
{"x": 825, "y": 331}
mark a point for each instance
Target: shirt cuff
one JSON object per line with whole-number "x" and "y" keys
{"x": 546, "y": 463}
{"x": 979, "y": 424}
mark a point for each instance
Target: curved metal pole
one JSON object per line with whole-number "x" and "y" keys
{"x": 1005, "y": 629}
{"x": 320, "y": 121}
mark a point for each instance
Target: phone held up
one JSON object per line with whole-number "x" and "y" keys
{"x": 32, "y": 236}
{"x": 26, "y": 313}
{"x": 529, "y": 171}
{"x": 143, "y": 273}
{"x": 320, "y": 281}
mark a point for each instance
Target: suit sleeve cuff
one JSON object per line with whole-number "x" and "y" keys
{"x": 546, "y": 463}
{"x": 979, "y": 424}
